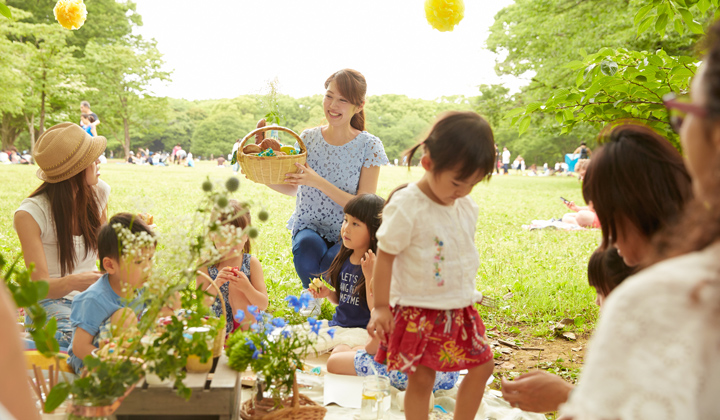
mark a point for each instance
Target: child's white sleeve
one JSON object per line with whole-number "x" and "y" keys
{"x": 396, "y": 230}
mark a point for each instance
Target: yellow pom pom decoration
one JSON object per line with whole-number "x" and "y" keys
{"x": 443, "y": 15}
{"x": 70, "y": 14}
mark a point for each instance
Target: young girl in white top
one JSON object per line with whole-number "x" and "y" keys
{"x": 426, "y": 245}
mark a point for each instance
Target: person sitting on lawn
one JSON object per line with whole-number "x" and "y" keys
{"x": 238, "y": 275}
{"x": 115, "y": 300}
{"x": 350, "y": 272}
{"x": 583, "y": 216}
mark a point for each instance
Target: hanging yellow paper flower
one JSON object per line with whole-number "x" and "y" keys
{"x": 70, "y": 14}
{"x": 443, "y": 15}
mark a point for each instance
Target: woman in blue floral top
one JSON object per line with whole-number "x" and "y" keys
{"x": 343, "y": 161}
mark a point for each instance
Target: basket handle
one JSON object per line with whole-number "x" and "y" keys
{"x": 217, "y": 288}
{"x": 303, "y": 149}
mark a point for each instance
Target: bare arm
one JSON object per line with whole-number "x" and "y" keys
{"x": 29, "y": 234}
{"x": 286, "y": 189}
{"x": 367, "y": 184}
{"x": 254, "y": 290}
{"x": 82, "y": 343}
{"x": 381, "y": 322}
{"x": 14, "y": 394}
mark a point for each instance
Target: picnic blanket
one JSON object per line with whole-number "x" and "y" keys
{"x": 552, "y": 224}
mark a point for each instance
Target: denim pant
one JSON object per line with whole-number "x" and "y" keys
{"x": 60, "y": 310}
{"x": 312, "y": 255}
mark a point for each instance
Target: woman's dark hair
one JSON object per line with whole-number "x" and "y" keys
{"x": 637, "y": 175}
{"x": 459, "y": 140}
{"x": 352, "y": 86}
{"x": 700, "y": 224}
{"x": 109, "y": 244}
{"x": 368, "y": 209}
{"x": 606, "y": 270}
{"x": 238, "y": 216}
{"x": 75, "y": 208}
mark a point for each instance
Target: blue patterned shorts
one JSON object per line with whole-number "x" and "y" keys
{"x": 365, "y": 365}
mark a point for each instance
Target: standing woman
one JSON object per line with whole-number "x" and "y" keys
{"x": 343, "y": 160}
{"x": 656, "y": 351}
{"x": 58, "y": 224}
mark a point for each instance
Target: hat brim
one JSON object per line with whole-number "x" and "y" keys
{"x": 97, "y": 147}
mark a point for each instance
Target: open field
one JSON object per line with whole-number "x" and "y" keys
{"x": 544, "y": 270}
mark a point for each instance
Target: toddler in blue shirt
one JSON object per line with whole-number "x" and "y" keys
{"x": 116, "y": 298}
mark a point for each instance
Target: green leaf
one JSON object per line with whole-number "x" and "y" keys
{"x": 5, "y": 11}
{"x": 580, "y": 78}
{"x": 661, "y": 23}
{"x": 642, "y": 13}
{"x": 645, "y": 24}
{"x": 679, "y": 28}
{"x": 568, "y": 115}
{"x": 524, "y": 124}
{"x": 533, "y": 107}
{"x": 514, "y": 112}
{"x": 703, "y": 6}
{"x": 42, "y": 289}
{"x": 692, "y": 24}
{"x": 608, "y": 68}
{"x": 583, "y": 52}
{"x": 58, "y": 394}
{"x": 559, "y": 117}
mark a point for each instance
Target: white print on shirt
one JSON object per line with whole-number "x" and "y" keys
{"x": 348, "y": 283}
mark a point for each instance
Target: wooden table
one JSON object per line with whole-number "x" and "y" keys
{"x": 215, "y": 396}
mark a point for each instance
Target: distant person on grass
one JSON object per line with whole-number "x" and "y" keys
{"x": 584, "y": 151}
{"x": 638, "y": 185}
{"x": 85, "y": 109}
{"x": 58, "y": 224}
{"x": 343, "y": 160}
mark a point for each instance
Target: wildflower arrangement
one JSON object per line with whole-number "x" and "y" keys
{"x": 274, "y": 348}
{"x": 443, "y": 15}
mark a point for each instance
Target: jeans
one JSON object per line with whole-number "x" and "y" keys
{"x": 60, "y": 310}
{"x": 312, "y": 255}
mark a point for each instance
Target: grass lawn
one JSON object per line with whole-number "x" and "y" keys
{"x": 544, "y": 270}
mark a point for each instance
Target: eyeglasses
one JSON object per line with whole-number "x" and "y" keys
{"x": 678, "y": 107}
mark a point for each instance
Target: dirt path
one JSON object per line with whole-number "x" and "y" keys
{"x": 523, "y": 353}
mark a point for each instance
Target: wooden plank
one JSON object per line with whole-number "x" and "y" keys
{"x": 195, "y": 380}
{"x": 158, "y": 401}
{"x": 224, "y": 377}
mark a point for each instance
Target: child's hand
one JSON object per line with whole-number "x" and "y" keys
{"x": 225, "y": 275}
{"x": 571, "y": 205}
{"x": 367, "y": 263}
{"x": 381, "y": 323}
{"x": 240, "y": 280}
{"x": 319, "y": 291}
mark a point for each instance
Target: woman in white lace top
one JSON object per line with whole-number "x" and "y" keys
{"x": 656, "y": 351}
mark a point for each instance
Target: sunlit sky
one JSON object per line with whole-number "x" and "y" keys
{"x": 226, "y": 48}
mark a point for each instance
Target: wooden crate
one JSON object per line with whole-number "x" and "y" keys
{"x": 215, "y": 395}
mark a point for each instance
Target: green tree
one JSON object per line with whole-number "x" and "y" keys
{"x": 216, "y": 135}
{"x": 121, "y": 75}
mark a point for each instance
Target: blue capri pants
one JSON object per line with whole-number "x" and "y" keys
{"x": 312, "y": 255}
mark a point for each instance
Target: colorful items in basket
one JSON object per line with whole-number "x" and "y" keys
{"x": 270, "y": 147}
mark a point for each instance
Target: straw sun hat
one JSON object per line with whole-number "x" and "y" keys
{"x": 64, "y": 150}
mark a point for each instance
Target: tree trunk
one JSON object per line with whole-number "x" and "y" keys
{"x": 126, "y": 143}
{"x": 10, "y": 130}
{"x": 41, "y": 129}
{"x": 31, "y": 129}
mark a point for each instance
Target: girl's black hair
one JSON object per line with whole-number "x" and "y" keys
{"x": 462, "y": 141}
{"x": 368, "y": 209}
{"x": 606, "y": 270}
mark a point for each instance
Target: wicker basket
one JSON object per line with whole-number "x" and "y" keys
{"x": 299, "y": 407}
{"x": 219, "y": 342}
{"x": 270, "y": 169}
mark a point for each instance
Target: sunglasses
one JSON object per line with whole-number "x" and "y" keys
{"x": 678, "y": 107}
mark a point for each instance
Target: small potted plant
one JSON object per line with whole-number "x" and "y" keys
{"x": 274, "y": 350}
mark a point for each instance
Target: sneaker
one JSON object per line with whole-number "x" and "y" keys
{"x": 314, "y": 308}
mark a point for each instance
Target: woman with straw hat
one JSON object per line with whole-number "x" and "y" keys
{"x": 58, "y": 223}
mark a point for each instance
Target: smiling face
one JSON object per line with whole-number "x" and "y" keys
{"x": 355, "y": 234}
{"x": 338, "y": 110}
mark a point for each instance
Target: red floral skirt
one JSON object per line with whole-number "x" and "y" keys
{"x": 443, "y": 340}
